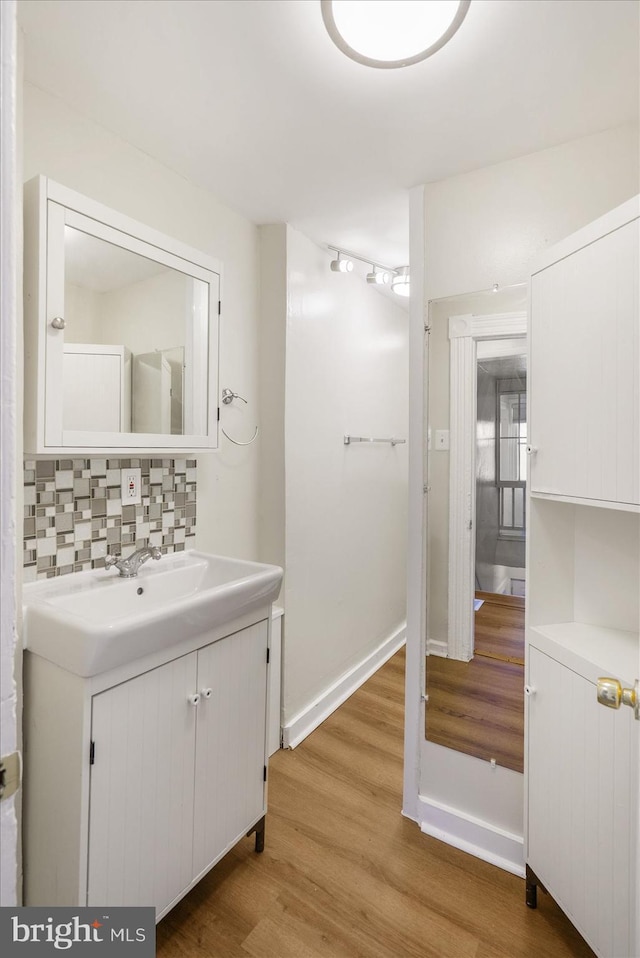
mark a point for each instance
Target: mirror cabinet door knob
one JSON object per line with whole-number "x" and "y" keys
{"x": 58, "y": 322}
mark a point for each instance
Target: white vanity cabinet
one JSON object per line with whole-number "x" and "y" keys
{"x": 583, "y": 605}
{"x": 98, "y": 279}
{"x": 138, "y": 783}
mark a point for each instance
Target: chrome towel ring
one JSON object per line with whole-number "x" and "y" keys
{"x": 237, "y": 441}
{"x": 228, "y": 396}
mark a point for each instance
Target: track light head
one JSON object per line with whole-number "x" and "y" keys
{"x": 341, "y": 265}
{"x": 400, "y": 282}
{"x": 378, "y": 276}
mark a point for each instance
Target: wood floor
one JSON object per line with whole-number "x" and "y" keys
{"x": 499, "y": 627}
{"x": 477, "y": 707}
{"x": 344, "y": 875}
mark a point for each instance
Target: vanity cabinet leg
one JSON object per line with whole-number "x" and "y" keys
{"x": 531, "y": 888}
{"x": 259, "y": 829}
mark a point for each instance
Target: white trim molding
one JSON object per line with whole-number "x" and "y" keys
{"x": 437, "y": 647}
{"x": 10, "y": 438}
{"x": 464, "y": 334}
{"x": 314, "y": 714}
{"x": 472, "y": 835}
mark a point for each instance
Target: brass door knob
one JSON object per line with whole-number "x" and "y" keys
{"x": 613, "y": 695}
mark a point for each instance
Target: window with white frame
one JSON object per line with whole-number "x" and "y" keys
{"x": 511, "y": 456}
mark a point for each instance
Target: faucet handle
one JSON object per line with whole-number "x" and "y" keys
{"x": 110, "y": 560}
{"x": 156, "y": 553}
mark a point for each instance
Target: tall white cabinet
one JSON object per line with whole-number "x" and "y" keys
{"x": 583, "y": 606}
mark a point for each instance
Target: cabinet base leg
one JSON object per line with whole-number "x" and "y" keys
{"x": 532, "y": 883}
{"x": 259, "y": 829}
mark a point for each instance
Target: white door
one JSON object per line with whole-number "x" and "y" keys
{"x": 231, "y": 737}
{"x": 141, "y": 805}
{"x": 585, "y": 392}
{"x": 583, "y": 804}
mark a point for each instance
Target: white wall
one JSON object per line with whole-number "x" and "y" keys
{"x": 76, "y": 152}
{"x": 11, "y": 438}
{"x": 273, "y": 325}
{"x": 345, "y": 349}
{"x": 482, "y": 228}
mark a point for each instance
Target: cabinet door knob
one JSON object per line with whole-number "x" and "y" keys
{"x": 532, "y": 450}
{"x": 193, "y": 699}
{"x": 612, "y": 695}
{"x": 207, "y": 693}
{"x": 529, "y": 690}
{"x": 58, "y": 322}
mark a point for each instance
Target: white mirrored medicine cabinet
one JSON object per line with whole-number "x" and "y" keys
{"x": 121, "y": 332}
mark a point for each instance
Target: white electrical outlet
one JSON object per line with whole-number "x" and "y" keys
{"x": 131, "y": 487}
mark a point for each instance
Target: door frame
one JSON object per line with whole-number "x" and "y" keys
{"x": 464, "y": 334}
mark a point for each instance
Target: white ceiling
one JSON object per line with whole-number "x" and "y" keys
{"x": 251, "y": 100}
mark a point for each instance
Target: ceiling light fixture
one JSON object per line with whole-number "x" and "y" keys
{"x": 379, "y": 275}
{"x": 401, "y": 282}
{"x": 341, "y": 265}
{"x": 392, "y": 33}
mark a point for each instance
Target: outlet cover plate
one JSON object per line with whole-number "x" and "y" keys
{"x": 131, "y": 483}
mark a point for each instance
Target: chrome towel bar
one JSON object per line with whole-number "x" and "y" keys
{"x": 349, "y": 439}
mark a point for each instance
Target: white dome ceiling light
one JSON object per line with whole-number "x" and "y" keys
{"x": 392, "y": 33}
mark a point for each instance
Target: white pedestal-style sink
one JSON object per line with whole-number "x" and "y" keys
{"x": 90, "y": 622}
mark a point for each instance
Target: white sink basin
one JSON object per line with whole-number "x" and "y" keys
{"x": 91, "y": 622}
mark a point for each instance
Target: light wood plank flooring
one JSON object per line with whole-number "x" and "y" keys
{"x": 477, "y": 707}
{"x": 344, "y": 875}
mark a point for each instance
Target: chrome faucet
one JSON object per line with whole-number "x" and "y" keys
{"x": 128, "y": 567}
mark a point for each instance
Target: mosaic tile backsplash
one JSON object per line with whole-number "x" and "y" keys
{"x": 74, "y": 517}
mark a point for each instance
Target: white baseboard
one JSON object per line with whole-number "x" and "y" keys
{"x": 438, "y": 647}
{"x": 472, "y": 835}
{"x": 313, "y": 715}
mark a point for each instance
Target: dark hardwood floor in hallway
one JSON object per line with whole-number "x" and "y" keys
{"x": 344, "y": 875}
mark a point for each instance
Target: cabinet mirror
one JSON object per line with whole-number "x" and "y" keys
{"x": 121, "y": 331}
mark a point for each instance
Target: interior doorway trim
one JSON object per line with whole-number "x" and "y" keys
{"x": 464, "y": 334}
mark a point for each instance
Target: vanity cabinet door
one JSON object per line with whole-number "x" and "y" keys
{"x": 141, "y": 791}
{"x": 231, "y": 739}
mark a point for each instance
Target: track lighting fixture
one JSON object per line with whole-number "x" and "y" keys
{"x": 400, "y": 283}
{"x": 379, "y": 276}
{"x": 341, "y": 264}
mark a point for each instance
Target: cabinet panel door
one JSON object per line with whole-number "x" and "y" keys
{"x": 230, "y": 742}
{"x": 583, "y": 804}
{"x": 141, "y": 811}
{"x": 585, "y": 392}
{"x": 93, "y": 390}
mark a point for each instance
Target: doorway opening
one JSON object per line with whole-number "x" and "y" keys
{"x": 501, "y": 468}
